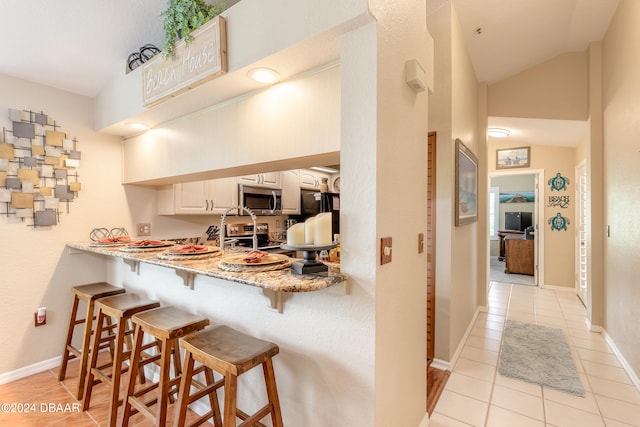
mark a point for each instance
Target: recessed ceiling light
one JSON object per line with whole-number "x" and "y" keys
{"x": 264, "y": 75}
{"x": 138, "y": 126}
{"x": 498, "y": 132}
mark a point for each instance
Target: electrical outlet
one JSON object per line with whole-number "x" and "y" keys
{"x": 144, "y": 229}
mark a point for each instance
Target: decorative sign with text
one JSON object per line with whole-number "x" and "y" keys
{"x": 195, "y": 63}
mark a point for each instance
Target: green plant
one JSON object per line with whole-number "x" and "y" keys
{"x": 183, "y": 16}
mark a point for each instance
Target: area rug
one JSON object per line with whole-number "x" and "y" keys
{"x": 539, "y": 355}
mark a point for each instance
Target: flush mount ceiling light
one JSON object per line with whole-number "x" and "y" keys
{"x": 264, "y": 75}
{"x": 498, "y": 132}
{"x": 138, "y": 126}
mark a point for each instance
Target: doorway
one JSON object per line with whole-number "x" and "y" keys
{"x": 581, "y": 232}
{"x": 516, "y": 194}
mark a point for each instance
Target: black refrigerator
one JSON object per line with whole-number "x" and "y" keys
{"x": 313, "y": 202}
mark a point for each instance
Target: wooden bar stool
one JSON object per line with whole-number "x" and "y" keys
{"x": 118, "y": 308}
{"x": 89, "y": 294}
{"x": 230, "y": 353}
{"x": 166, "y": 325}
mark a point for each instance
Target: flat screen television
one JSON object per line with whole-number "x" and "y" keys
{"x": 517, "y": 220}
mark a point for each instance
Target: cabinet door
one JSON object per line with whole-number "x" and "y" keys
{"x": 224, "y": 195}
{"x": 249, "y": 179}
{"x": 192, "y": 197}
{"x": 290, "y": 193}
{"x": 310, "y": 179}
{"x": 270, "y": 179}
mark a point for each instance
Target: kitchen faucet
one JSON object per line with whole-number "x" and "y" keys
{"x": 223, "y": 228}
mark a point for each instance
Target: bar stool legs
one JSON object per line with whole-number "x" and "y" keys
{"x": 120, "y": 308}
{"x": 167, "y": 325}
{"x": 88, "y": 293}
{"x": 230, "y": 353}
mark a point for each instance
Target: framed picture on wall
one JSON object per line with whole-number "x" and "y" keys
{"x": 466, "y": 191}
{"x": 510, "y": 158}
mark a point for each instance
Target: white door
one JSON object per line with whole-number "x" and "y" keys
{"x": 581, "y": 232}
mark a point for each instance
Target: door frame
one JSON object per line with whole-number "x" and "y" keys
{"x": 578, "y": 208}
{"x": 538, "y": 276}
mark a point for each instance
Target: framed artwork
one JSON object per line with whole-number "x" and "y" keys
{"x": 466, "y": 191}
{"x": 510, "y": 158}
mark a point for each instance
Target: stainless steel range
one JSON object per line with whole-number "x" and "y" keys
{"x": 243, "y": 232}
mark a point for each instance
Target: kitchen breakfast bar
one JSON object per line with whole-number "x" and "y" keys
{"x": 273, "y": 281}
{"x": 311, "y": 317}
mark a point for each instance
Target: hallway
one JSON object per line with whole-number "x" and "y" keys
{"x": 476, "y": 395}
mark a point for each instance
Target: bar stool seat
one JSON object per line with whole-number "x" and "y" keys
{"x": 166, "y": 325}
{"x": 89, "y": 294}
{"x": 230, "y": 353}
{"x": 119, "y": 308}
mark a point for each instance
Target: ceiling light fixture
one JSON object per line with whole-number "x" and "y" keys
{"x": 138, "y": 126}
{"x": 264, "y": 75}
{"x": 498, "y": 132}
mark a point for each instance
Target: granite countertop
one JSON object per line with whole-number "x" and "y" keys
{"x": 276, "y": 280}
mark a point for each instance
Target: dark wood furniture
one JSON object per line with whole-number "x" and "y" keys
{"x": 118, "y": 308}
{"x": 167, "y": 325}
{"x": 230, "y": 353}
{"x": 89, "y": 294}
{"x": 519, "y": 255}
{"x": 502, "y": 234}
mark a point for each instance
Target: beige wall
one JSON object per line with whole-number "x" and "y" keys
{"x": 37, "y": 270}
{"x": 556, "y": 89}
{"x": 453, "y": 113}
{"x": 621, "y": 159}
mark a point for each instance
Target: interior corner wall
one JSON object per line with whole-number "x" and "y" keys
{"x": 401, "y": 173}
{"x": 555, "y": 89}
{"x": 621, "y": 129}
{"x": 440, "y": 121}
{"x": 453, "y": 113}
{"x": 465, "y": 239}
{"x": 37, "y": 269}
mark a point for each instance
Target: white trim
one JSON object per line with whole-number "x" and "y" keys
{"x": 559, "y": 288}
{"x": 539, "y": 218}
{"x": 425, "y": 421}
{"x": 443, "y": 365}
{"x": 26, "y": 371}
{"x": 625, "y": 365}
{"x": 462, "y": 342}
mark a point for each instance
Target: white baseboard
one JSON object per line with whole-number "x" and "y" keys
{"x": 443, "y": 365}
{"x": 462, "y": 342}
{"x": 36, "y": 368}
{"x": 626, "y": 366}
{"x": 425, "y": 421}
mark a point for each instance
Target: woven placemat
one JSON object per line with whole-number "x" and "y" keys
{"x": 143, "y": 249}
{"x": 168, "y": 256}
{"x": 254, "y": 269}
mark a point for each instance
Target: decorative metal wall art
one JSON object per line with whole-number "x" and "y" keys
{"x": 559, "y": 183}
{"x": 38, "y": 168}
{"x": 559, "y": 222}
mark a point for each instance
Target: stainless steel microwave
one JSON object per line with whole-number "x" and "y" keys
{"x": 261, "y": 200}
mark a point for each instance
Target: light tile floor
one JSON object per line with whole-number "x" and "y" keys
{"x": 477, "y": 395}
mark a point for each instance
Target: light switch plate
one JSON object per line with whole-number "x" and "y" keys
{"x": 385, "y": 250}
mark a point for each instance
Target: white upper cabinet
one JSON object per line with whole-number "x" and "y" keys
{"x": 310, "y": 179}
{"x": 214, "y": 196}
{"x": 291, "y": 192}
{"x": 269, "y": 179}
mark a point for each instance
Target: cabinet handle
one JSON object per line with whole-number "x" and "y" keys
{"x": 207, "y": 206}
{"x": 211, "y": 204}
